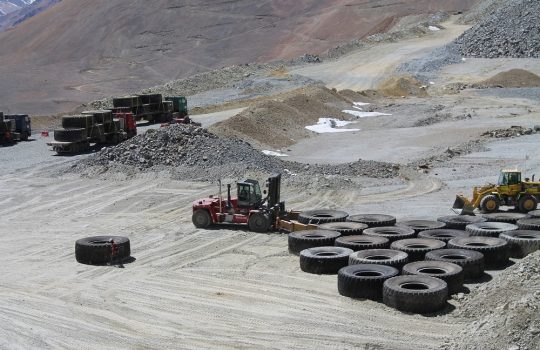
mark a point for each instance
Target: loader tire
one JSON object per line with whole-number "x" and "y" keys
{"x": 471, "y": 261}
{"x": 496, "y": 250}
{"x": 78, "y": 121}
{"x": 522, "y": 242}
{"x": 415, "y": 293}
{"x": 443, "y": 234}
{"x": 510, "y": 218}
{"x": 345, "y": 228}
{"x": 301, "y": 240}
{"x": 416, "y": 248}
{"x": 362, "y": 242}
{"x": 321, "y": 216}
{"x": 201, "y": 218}
{"x": 373, "y": 220}
{"x": 490, "y": 204}
{"x": 451, "y": 273}
{"x": 389, "y": 257}
{"x": 324, "y": 260}
{"x": 392, "y": 233}
{"x": 490, "y": 229}
{"x": 422, "y": 225}
{"x": 527, "y": 203}
{"x": 364, "y": 280}
{"x": 458, "y": 222}
{"x": 259, "y": 222}
{"x": 98, "y": 250}
{"x": 69, "y": 135}
{"x": 529, "y": 224}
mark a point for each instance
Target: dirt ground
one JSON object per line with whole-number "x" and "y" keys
{"x": 227, "y": 288}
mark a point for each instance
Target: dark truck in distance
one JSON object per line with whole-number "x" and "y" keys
{"x": 151, "y": 107}
{"x": 23, "y": 125}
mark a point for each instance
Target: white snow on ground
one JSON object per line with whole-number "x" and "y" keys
{"x": 363, "y": 114}
{"x": 326, "y": 125}
{"x": 273, "y": 153}
{"x": 358, "y": 104}
{"x": 433, "y": 28}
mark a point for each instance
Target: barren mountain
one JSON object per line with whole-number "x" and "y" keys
{"x": 80, "y": 50}
{"x": 21, "y": 10}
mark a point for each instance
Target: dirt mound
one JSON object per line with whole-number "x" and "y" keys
{"x": 405, "y": 85}
{"x": 280, "y": 124}
{"x": 513, "y": 78}
{"x": 504, "y": 311}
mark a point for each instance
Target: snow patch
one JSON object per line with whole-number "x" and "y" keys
{"x": 358, "y": 104}
{"x": 359, "y": 114}
{"x": 326, "y": 125}
{"x": 433, "y": 28}
{"x": 273, "y": 153}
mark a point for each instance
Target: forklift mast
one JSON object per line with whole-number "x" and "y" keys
{"x": 274, "y": 190}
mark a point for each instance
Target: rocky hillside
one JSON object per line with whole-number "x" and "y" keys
{"x": 14, "y": 12}
{"x": 8, "y": 6}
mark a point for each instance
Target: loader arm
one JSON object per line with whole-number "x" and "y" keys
{"x": 467, "y": 205}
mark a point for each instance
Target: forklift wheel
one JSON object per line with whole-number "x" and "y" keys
{"x": 201, "y": 218}
{"x": 259, "y": 222}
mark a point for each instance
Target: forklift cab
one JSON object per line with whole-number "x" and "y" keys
{"x": 249, "y": 194}
{"x": 509, "y": 178}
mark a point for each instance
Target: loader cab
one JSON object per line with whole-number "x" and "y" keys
{"x": 249, "y": 194}
{"x": 508, "y": 178}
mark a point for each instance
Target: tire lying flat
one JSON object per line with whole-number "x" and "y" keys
{"x": 458, "y": 222}
{"x": 373, "y": 220}
{"x": 324, "y": 260}
{"x": 321, "y": 216}
{"x": 422, "y": 225}
{"x": 364, "y": 280}
{"x": 362, "y": 242}
{"x": 98, "y": 250}
{"x": 392, "y": 233}
{"x": 416, "y": 248}
{"x": 529, "y": 224}
{"x": 508, "y": 217}
{"x": 472, "y": 262}
{"x": 489, "y": 229}
{"x": 415, "y": 293}
{"x": 443, "y": 234}
{"x": 451, "y": 273}
{"x": 301, "y": 240}
{"x": 495, "y": 250}
{"x": 388, "y": 257}
{"x": 522, "y": 242}
{"x": 345, "y": 228}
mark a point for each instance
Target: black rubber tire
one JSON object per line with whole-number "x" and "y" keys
{"x": 301, "y": 240}
{"x": 101, "y": 116}
{"x": 490, "y": 229}
{"x": 508, "y": 217}
{"x": 97, "y": 130}
{"x": 321, "y": 216}
{"x": 451, "y": 273}
{"x": 324, "y": 260}
{"x": 345, "y": 228}
{"x": 496, "y": 250}
{"x": 201, "y": 218}
{"x": 534, "y": 214}
{"x": 527, "y": 203}
{"x": 443, "y": 234}
{"x": 364, "y": 280}
{"x": 373, "y": 220}
{"x": 69, "y": 135}
{"x": 416, "y": 248}
{"x": 98, "y": 250}
{"x": 259, "y": 222}
{"x": 78, "y": 121}
{"x": 529, "y": 224}
{"x": 415, "y": 293}
{"x": 422, "y": 225}
{"x": 392, "y": 233}
{"x": 522, "y": 242}
{"x": 471, "y": 261}
{"x": 490, "y": 204}
{"x": 388, "y": 257}
{"x": 458, "y": 222}
{"x": 362, "y": 242}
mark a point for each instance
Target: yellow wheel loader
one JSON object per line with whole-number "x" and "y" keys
{"x": 510, "y": 191}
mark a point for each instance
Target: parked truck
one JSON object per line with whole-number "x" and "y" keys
{"x": 150, "y": 107}
{"x": 180, "y": 109}
{"x": 23, "y": 125}
{"x": 8, "y": 135}
{"x": 93, "y": 127}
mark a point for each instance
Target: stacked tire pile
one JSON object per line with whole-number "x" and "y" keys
{"x": 415, "y": 265}
{"x": 89, "y": 125}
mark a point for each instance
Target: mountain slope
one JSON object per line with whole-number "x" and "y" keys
{"x": 21, "y": 11}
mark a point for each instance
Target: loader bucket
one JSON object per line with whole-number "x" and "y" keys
{"x": 459, "y": 203}
{"x": 464, "y": 204}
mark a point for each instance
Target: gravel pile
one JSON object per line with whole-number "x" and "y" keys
{"x": 512, "y": 30}
{"x": 504, "y": 313}
{"x": 192, "y": 152}
{"x": 513, "y": 131}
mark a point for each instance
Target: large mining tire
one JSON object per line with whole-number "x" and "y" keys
{"x": 301, "y": 240}
{"x": 527, "y": 203}
{"x": 534, "y": 214}
{"x": 458, "y": 222}
{"x": 78, "y": 121}
{"x": 471, "y": 261}
{"x": 259, "y": 222}
{"x": 490, "y": 204}
{"x": 201, "y": 218}
{"x": 373, "y": 220}
{"x": 345, "y": 228}
{"x": 490, "y": 229}
{"x": 98, "y": 250}
{"x": 496, "y": 250}
{"x": 451, "y": 273}
{"x": 69, "y": 135}
{"x": 529, "y": 224}
{"x": 508, "y": 217}
{"x": 321, "y": 216}
{"x": 443, "y": 234}
{"x": 362, "y": 242}
{"x": 422, "y": 225}
{"x": 522, "y": 242}
{"x": 416, "y": 248}
{"x": 364, "y": 280}
{"x": 324, "y": 260}
{"x": 388, "y": 257}
{"x": 415, "y": 293}
{"x": 392, "y": 233}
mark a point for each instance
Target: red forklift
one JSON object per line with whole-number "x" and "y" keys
{"x": 248, "y": 207}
